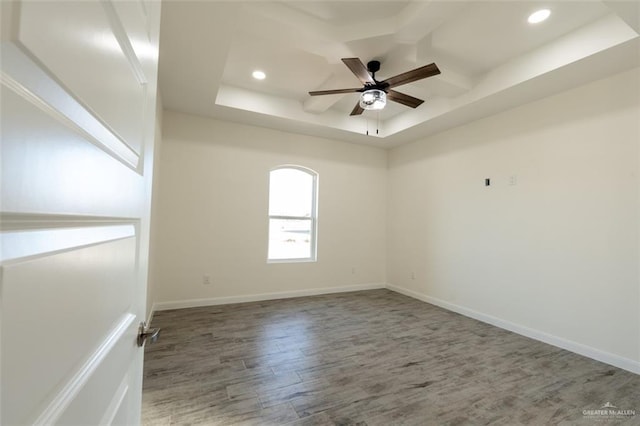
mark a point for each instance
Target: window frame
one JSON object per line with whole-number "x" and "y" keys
{"x": 313, "y": 256}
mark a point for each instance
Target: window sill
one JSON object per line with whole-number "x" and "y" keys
{"x": 305, "y": 260}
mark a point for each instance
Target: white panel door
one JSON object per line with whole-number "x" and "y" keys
{"x": 78, "y": 110}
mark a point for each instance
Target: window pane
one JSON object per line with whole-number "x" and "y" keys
{"x": 289, "y": 239}
{"x": 290, "y": 193}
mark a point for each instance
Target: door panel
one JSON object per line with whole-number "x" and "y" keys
{"x": 57, "y": 311}
{"x": 78, "y": 93}
{"x": 111, "y": 77}
{"x": 73, "y": 174}
{"x": 85, "y": 405}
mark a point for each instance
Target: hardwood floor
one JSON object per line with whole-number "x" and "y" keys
{"x": 366, "y": 358}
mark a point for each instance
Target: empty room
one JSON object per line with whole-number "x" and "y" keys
{"x": 320, "y": 213}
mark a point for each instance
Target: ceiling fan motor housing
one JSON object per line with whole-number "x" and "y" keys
{"x": 373, "y": 67}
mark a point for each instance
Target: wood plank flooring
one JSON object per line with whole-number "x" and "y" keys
{"x": 366, "y": 358}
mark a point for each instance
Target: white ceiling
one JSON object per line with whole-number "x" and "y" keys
{"x": 490, "y": 59}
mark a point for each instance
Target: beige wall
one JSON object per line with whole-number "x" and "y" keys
{"x": 554, "y": 256}
{"x": 212, "y": 213}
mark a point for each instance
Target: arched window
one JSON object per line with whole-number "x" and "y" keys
{"x": 292, "y": 214}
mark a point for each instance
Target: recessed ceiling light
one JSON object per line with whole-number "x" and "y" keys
{"x": 258, "y": 75}
{"x": 539, "y": 16}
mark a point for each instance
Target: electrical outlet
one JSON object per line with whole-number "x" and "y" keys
{"x": 353, "y": 270}
{"x": 413, "y": 275}
{"x": 206, "y": 279}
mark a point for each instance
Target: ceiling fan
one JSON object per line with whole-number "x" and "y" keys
{"x": 374, "y": 93}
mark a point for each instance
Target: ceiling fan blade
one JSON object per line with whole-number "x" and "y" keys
{"x": 413, "y": 75}
{"x": 404, "y": 99}
{"x": 359, "y": 69}
{"x": 357, "y": 110}
{"x": 334, "y": 92}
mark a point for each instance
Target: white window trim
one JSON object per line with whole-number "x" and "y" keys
{"x": 314, "y": 216}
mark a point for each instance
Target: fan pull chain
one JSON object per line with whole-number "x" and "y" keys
{"x": 377, "y": 122}
{"x": 367, "y": 121}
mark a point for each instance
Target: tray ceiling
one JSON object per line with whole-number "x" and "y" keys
{"x": 491, "y": 59}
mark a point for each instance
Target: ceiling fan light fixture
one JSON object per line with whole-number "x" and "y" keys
{"x": 539, "y": 16}
{"x": 373, "y": 99}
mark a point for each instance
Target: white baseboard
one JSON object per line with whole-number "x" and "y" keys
{"x": 588, "y": 351}
{"x": 193, "y": 303}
